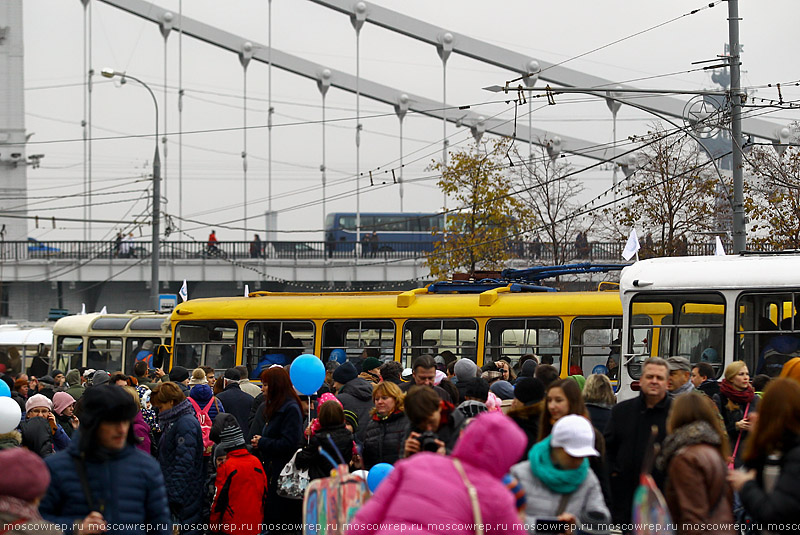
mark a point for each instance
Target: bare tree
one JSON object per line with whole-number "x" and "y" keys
{"x": 772, "y": 199}
{"x": 549, "y": 192}
{"x": 670, "y": 198}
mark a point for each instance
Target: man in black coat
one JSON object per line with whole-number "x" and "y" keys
{"x": 423, "y": 373}
{"x": 235, "y": 401}
{"x": 628, "y": 432}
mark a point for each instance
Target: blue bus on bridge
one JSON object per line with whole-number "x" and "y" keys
{"x": 395, "y": 231}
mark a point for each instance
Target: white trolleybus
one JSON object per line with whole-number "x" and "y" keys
{"x": 716, "y": 309}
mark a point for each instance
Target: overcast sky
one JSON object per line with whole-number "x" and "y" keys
{"x": 213, "y": 82}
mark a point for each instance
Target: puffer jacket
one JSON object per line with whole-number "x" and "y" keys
{"x": 383, "y": 439}
{"x": 202, "y": 394}
{"x": 181, "y": 457}
{"x": 12, "y": 439}
{"x": 425, "y": 494}
{"x": 310, "y": 457}
{"x": 38, "y": 437}
{"x": 356, "y": 396}
{"x": 240, "y": 491}
{"x": 142, "y": 431}
{"x": 131, "y": 502}
{"x": 782, "y": 505}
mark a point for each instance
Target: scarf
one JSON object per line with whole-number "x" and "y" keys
{"x": 697, "y": 432}
{"x": 742, "y": 397}
{"x": 556, "y": 479}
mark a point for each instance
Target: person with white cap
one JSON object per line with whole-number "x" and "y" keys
{"x": 557, "y": 479}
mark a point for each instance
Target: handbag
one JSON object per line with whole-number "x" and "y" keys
{"x": 292, "y": 482}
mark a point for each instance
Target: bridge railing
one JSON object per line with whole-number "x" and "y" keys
{"x": 297, "y": 250}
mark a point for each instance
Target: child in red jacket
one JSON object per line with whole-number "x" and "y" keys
{"x": 240, "y": 485}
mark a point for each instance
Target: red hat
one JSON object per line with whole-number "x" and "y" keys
{"x": 25, "y": 476}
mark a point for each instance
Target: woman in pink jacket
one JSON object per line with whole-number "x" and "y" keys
{"x": 427, "y": 494}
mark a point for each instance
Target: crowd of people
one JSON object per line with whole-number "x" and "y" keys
{"x": 513, "y": 448}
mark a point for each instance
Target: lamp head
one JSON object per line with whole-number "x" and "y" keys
{"x": 108, "y": 73}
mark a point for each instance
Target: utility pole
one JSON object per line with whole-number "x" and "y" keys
{"x": 739, "y": 222}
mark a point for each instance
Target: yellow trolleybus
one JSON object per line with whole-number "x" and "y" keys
{"x": 579, "y": 331}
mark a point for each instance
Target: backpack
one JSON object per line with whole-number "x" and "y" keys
{"x": 205, "y": 424}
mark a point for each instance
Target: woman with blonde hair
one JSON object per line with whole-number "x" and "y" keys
{"x": 770, "y": 489}
{"x": 694, "y": 457}
{"x": 735, "y": 401}
{"x": 598, "y": 395}
{"x": 387, "y": 427}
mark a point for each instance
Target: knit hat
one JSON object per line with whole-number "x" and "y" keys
{"x": 38, "y": 400}
{"x": 370, "y": 363}
{"x": 465, "y": 369}
{"x": 104, "y": 403}
{"x": 351, "y": 418}
{"x": 327, "y": 396}
{"x": 345, "y": 373}
{"x": 502, "y": 389}
{"x": 54, "y": 373}
{"x": 528, "y": 368}
{"x": 198, "y": 377}
{"x": 25, "y": 476}
{"x": 100, "y": 377}
{"x": 580, "y": 379}
{"x": 178, "y": 374}
{"x": 529, "y": 390}
{"x": 792, "y": 369}
{"x": 62, "y": 400}
{"x": 47, "y": 379}
{"x": 226, "y": 433}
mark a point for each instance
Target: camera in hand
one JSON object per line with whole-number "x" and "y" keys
{"x": 427, "y": 441}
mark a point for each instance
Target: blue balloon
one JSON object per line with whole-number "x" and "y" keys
{"x": 377, "y": 474}
{"x": 4, "y": 390}
{"x": 307, "y": 373}
{"x": 339, "y": 355}
{"x": 600, "y": 369}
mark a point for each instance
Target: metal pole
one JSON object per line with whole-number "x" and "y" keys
{"x": 84, "y": 124}
{"x": 180, "y": 111}
{"x": 154, "y": 256}
{"x": 89, "y": 74}
{"x": 269, "y": 109}
{"x": 739, "y": 228}
{"x": 358, "y": 139}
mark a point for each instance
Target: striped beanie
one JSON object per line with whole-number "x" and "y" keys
{"x": 226, "y": 433}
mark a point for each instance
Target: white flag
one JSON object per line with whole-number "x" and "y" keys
{"x": 720, "y": 251}
{"x": 83, "y": 309}
{"x": 104, "y": 311}
{"x": 246, "y": 290}
{"x": 632, "y": 247}
{"x": 184, "y": 292}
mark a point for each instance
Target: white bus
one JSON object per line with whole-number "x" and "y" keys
{"x": 108, "y": 342}
{"x": 715, "y": 309}
{"x": 26, "y": 346}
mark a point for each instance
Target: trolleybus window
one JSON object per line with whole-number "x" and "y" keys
{"x": 356, "y": 336}
{"x": 768, "y": 331}
{"x": 105, "y": 353}
{"x": 516, "y": 337}
{"x": 69, "y": 352}
{"x": 275, "y": 342}
{"x": 688, "y": 325}
{"x": 595, "y": 346}
{"x": 434, "y": 336}
{"x": 208, "y": 343}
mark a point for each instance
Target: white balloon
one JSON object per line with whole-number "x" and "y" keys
{"x": 10, "y": 414}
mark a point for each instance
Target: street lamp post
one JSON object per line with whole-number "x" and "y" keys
{"x": 154, "y": 255}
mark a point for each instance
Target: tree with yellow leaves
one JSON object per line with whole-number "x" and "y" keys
{"x": 480, "y": 231}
